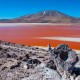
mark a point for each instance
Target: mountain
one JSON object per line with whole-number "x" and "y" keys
{"x": 51, "y": 16}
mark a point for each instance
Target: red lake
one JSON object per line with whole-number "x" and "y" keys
{"x": 34, "y": 35}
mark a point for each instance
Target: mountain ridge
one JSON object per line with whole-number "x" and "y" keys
{"x": 49, "y": 16}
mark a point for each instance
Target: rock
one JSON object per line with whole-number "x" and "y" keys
{"x": 15, "y": 66}
{"x": 76, "y": 71}
{"x": 43, "y": 73}
{"x": 49, "y": 47}
{"x": 72, "y": 57}
{"x": 77, "y": 78}
{"x": 51, "y": 65}
{"x": 31, "y": 63}
{"x": 10, "y": 64}
{"x": 26, "y": 57}
{"x": 64, "y": 58}
{"x": 19, "y": 62}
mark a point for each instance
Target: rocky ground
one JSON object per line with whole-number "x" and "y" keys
{"x": 19, "y": 62}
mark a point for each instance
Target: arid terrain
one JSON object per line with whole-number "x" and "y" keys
{"x": 39, "y": 40}
{"x": 13, "y": 58}
{"x": 20, "y": 62}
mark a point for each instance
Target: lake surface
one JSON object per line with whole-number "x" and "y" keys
{"x": 42, "y": 35}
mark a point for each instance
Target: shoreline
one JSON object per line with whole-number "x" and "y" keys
{"x": 70, "y": 39}
{"x": 35, "y": 24}
{"x": 46, "y": 48}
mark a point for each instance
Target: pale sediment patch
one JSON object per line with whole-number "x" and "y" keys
{"x": 70, "y": 39}
{"x": 10, "y": 24}
{"x": 31, "y": 24}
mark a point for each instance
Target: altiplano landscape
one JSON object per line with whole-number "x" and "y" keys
{"x": 41, "y": 46}
{"x": 39, "y": 39}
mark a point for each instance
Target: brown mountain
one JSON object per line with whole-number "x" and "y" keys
{"x": 51, "y": 16}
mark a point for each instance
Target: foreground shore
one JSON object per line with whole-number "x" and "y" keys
{"x": 20, "y": 62}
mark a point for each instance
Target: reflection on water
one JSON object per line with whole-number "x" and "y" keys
{"x": 26, "y": 34}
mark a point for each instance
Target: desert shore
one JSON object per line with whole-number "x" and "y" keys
{"x": 46, "y": 48}
{"x": 16, "y": 62}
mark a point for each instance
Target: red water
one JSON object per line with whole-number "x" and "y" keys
{"x": 26, "y": 34}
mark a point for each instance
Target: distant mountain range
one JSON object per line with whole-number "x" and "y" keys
{"x": 51, "y": 16}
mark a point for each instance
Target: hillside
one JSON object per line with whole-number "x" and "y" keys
{"x": 51, "y": 16}
{"x": 20, "y": 62}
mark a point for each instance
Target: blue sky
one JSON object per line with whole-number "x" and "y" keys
{"x": 16, "y": 8}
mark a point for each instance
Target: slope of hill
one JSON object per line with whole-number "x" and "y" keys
{"x": 51, "y": 16}
{"x": 20, "y": 62}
